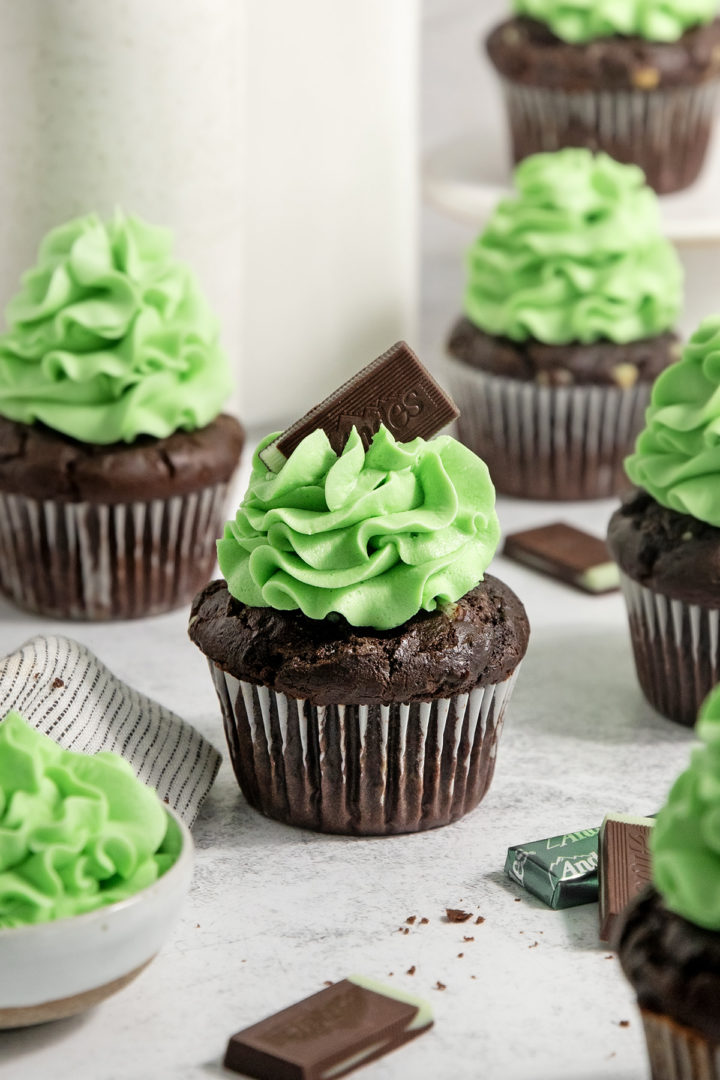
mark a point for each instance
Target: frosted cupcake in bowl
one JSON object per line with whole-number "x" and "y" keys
{"x": 571, "y": 299}
{"x": 114, "y": 455}
{"x": 362, "y": 656}
{"x": 638, "y": 79}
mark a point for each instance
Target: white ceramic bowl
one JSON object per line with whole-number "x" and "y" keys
{"x": 56, "y": 969}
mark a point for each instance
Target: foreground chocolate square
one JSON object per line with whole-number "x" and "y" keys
{"x": 560, "y": 870}
{"x": 566, "y": 553}
{"x": 395, "y": 390}
{"x": 328, "y": 1035}
{"x": 625, "y": 867}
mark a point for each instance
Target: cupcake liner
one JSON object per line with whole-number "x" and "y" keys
{"x": 666, "y": 131}
{"x": 677, "y": 1052}
{"x": 548, "y": 442}
{"x": 362, "y": 769}
{"x": 96, "y": 561}
{"x": 677, "y": 650}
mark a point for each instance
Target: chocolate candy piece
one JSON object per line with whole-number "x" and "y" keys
{"x": 329, "y": 1034}
{"x": 624, "y": 865}
{"x": 567, "y": 553}
{"x": 561, "y": 871}
{"x": 394, "y": 390}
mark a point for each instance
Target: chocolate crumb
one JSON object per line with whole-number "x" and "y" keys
{"x": 327, "y": 983}
{"x": 460, "y": 955}
{"x": 468, "y": 939}
{"x": 410, "y": 970}
{"x": 440, "y": 986}
{"x": 411, "y": 919}
{"x": 36, "y": 675}
{"x": 424, "y": 921}
{"x": 57, "y": 683}
{"x": 517, "y": 899}
{"x": 390, "y": 974}
{"x": 197, "y": 925}
{"x": 624, "y": 1023}
{"x": 610, "y": 956}
{"x": 473, "y": 976}
{"x": 456, "y": 915}
{"x": 534, "y": 945}
{"x": 405, "y": 930}
{"x": 480, "y": 920}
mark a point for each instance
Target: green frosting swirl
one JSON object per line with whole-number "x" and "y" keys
{"x": 111, "y": 338}
{"x": 677, "y": 454}
{"x": 685, "y": 842}
{"x": 577, "y": 256}
{"x": 373, "y": 536}
{"x": 579, "y": 21}
{"x": 77, "y": 831}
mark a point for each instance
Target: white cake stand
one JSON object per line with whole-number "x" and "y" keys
{"x": 465, "y": 179}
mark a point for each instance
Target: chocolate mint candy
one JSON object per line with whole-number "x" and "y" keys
{"x": 329, "y": 1034}
{"x": 395, "y": 390}
{"x": 624, "y": 865}
{"x": 569, "y": 554}
{"x": 561, "y": 870}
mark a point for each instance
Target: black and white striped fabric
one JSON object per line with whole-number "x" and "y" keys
{"x": 63, "y": 690}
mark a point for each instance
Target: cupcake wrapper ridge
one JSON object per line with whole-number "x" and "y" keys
{"x": 666, "y": 131}
{"x": 362, "y": 769}
{"x": 548, "y": 442}
{"x": 677, "y": 1052}
{"x": 97, "y": 561}
{"x": 677, "y": 650}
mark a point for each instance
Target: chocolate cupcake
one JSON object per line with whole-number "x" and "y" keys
{"x": 571, "y": 297}
{"x": 362, "y": 659}
{"x": 666, "y": 536}
{"x": 638, "y": 80}
{"x": 114, "y": 462}
{"x": 668, "y": 938}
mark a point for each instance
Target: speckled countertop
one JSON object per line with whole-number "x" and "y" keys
{"x": 275, "y": 912}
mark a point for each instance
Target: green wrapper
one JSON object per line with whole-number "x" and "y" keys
{"x": 562, "y": 871}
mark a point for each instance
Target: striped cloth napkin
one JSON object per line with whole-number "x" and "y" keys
{"x": 63, "y": 690}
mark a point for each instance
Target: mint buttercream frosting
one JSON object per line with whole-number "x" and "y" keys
{"x": 576, "y": 256}
{"x": 677, "y": 454}
{"x": 374, "y": 536}
{"x": 77, "y": 831}
{"x": 685, "y": 842}
{"x": 110, "y": 337}
{"x": 579, "y": 21}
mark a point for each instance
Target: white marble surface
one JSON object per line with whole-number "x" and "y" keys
{"x": 274, "y": 912}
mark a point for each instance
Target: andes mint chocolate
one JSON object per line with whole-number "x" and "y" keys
{"x": 329, "y": 1034}
{"x": 624, "y": 865}
{"x": 561, "y": 870}
{"x": 569, "y": 554}
{"x": 395, "y": 390}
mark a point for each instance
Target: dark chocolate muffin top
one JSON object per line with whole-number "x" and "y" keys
{"x": 670, "y": 553}
{"x": 478, "y": 641}
{"x": 525, "y": 50}
{"x": 601, "y": 363}
{"x": 44, "y": 464}
{"x": 673, "y": 965}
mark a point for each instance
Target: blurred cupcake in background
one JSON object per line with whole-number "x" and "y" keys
{"x": 114, "y": 458}
{"x": 571, "y": 299}
{"x": 666, "y": 535}
{"x": 668, "y": 938}
{"x": 637, "y": 79}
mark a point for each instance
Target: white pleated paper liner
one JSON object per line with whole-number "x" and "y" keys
{"x": 676, "y": 647}
{"x": 664, "y": 130}
{"x": 365, "y": 770}
{"x": 677, "y": 1052}
{"x": 64, "y": 691}
{"x": 548, "y": 442}
{"x": 103, "y": 561}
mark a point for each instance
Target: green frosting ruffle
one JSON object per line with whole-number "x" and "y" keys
{"x": 577, "y": 256}
{"x": 110, "y": 337}
{"x": 677, "y": 455}
{"x": 373, "y": 536}
{"x": 685, "y": 841}
{"x": 77, "y": 831}
{"x": 579, "y": 21}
